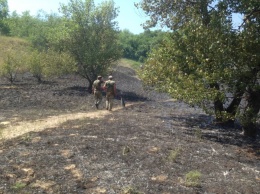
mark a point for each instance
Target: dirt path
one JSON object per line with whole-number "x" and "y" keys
{"x": 21, "y": 128}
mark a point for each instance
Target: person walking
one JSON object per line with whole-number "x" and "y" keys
{"x": 110, "y": 87}
{"x": 97, "y": 90}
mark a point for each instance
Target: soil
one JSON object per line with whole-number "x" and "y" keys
{"x": 53, "y": 140}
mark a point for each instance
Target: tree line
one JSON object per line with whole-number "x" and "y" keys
{"x": 82, "y": 38}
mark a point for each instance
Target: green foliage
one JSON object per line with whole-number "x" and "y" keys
{"x": 3, "y": 9}
{"x": 137, "y": 47}
{"x": 3, "y": 15}
{"x": 83, "y": 34}
{"x": 17, "y": 56}
{"x": 185, "y": 69}
{"x": 18, "y": 186}
{"x": 204, "y": 61}
{"x": 36, "y": 65}
{"x": 10, "y": 67}
{"x": 131, "y": 63}
{"x": 35, "y": 29}
{"x": 192, "y": 178}
{"x": 22, "y": 26}
{"x": 173, "y": 155}
{"x": 49, "y": 63}
{"x": 90, "y": 34}
{"x": 12, "y": 57}
{"x": 128, "y": 44}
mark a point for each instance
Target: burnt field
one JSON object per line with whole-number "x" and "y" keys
{"x": 53, "y": 140}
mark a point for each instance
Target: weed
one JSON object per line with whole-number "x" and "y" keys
{"x": 198, "y": 133}
{"x": 18, "y": 186}
{"x": 126, "y": 150}
{"x": 192, "y": 178}
{"x": 27, "y": 137}
{"x": 173, "y": 155}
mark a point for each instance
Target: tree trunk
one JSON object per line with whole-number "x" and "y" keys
{"x": 90, "y": 86}
{"x": 218, "y": 105}
{"x": 39, "y": 79}
{"x": 204, "y": 12}
{"x": 233, "y": 106}
{"x": 249, "y": 117}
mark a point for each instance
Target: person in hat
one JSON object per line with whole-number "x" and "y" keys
{"x": 110, "y": 87}
{"x": 97, "y": 90}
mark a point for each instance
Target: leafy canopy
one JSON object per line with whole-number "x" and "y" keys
{"x": 90, "y": 34}
{"x": 205, "y": 61}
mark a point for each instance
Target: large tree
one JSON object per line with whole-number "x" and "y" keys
{"x": 248, "y": 60}
{"x": 205, "y": 61}
{"x": 90, "y": 34}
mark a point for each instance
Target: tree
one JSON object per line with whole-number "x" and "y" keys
{"x": 138, "y": 46}
{"x": 3, "y": 9}
{"x": 22, "y": 26}
{"x": 90, "y": 34}
{"x": 45, "y": 57}
{"x": 3, "y": 15}
{"x": 12, "y": 57}
{"x": 147, "y": 41}
{"x": 33, "y": 28}
{"x": 248, "y": 61}
{"x": 49, "y": 63}
{"x": 205, "y": 61}
{"x": 129, "y": 44}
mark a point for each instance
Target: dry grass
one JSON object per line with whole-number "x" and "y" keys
{"x": 11, "y": 43}
{"x": 14, "y": 129}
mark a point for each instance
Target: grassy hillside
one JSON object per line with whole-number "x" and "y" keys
{"x": 11, "y": 44}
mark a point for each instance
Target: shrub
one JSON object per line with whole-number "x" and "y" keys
{"x": 192, "y": 178}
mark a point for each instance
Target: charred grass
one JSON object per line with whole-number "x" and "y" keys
{"x": 153, "y": 145}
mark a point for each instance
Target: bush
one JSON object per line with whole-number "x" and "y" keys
{"x": 192, "y": 178}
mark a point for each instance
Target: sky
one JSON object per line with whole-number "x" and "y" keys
{"x": 129, "y": 16}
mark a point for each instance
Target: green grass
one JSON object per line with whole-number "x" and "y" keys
{"x": 173, "y": 155}
{"x": 130, "y": 63}
{"x": 18, "y": 186}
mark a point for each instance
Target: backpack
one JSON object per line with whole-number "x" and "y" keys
{"x": 110, "y": 86}
{"x": 97, "y": 85}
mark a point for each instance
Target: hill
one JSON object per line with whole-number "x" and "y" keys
{"x": 53, "y": 140}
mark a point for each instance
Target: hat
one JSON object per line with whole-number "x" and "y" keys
{"x": 99, "y": 77}
{"x": 110, "y": 77}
